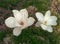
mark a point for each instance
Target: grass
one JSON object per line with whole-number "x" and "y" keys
{"x": 35, "y": 36}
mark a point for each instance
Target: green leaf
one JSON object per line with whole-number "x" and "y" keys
{"x": 2, "y": 34}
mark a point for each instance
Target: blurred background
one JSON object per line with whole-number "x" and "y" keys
{"x": 30, "y": 35}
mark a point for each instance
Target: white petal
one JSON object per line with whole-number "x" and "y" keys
{"x": 24, "y": 12}
{"x": 17, "y": 15}
{"x": 17, "y": 31}
{"x": 10, "y": 22}
{"x": 49, "y": 29}
{"x": 37, "y": 24}
{"x": 44, "y": 27}
{"x": 52, "y": 23}
{"x": 47, "y": 15}
{"x": 52, "y": 20}
{"x": 39, "y": 16}
{"x": 30, "y": 21}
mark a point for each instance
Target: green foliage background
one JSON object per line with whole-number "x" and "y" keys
{"x": 30, "y": 35}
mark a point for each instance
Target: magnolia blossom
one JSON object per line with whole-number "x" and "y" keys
{"x": 19, "y": 21}
{"x": 46, "y": 22}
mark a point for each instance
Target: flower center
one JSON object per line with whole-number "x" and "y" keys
{"x": 21, "y": 23}
{"x": 45, "y": 22}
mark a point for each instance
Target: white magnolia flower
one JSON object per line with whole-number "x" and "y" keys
{"x": 47, "y": 21}
{"x": 19, "y": 21}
